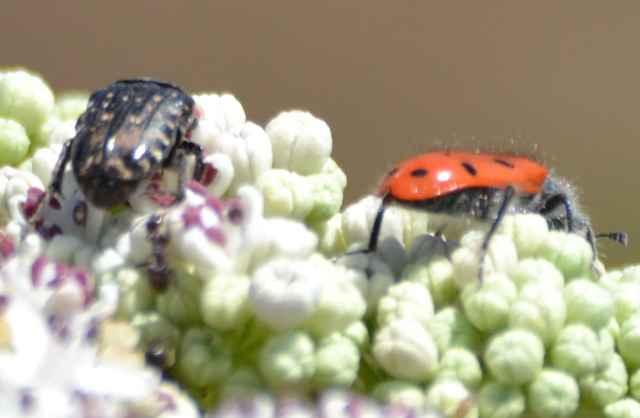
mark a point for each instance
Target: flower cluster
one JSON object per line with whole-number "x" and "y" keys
{"x": 242, "y": 300}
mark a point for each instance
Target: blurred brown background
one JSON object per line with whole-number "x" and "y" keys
{"x": 560, "y": 81}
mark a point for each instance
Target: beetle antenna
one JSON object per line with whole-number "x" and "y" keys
{"x": 620, "y": 237}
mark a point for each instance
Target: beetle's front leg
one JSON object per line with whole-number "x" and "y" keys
{"x": 55, "y": 186}
{"x": 58, "y": 172}
{"x": 194, "y": 149}
{"x": 180, "y": 160}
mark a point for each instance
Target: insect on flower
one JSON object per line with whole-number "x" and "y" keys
{"x": 158, "y": 269}
{"x": 130, "y": 131}
{"x": 483, "y": 187}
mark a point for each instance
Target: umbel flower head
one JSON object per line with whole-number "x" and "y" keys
{"x": 238, "y": 299}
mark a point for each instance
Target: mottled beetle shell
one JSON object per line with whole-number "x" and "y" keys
{"x": 128, "y": 132}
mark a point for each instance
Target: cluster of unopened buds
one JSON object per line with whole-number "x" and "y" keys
{"x": 249, "y": 292}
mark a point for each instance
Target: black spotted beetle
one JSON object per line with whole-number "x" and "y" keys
{"x": 130, "y": 130}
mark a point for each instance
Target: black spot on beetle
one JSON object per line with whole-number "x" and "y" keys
{"x": 503, "y": 162}
{"x": 470, "y": 169}
{"x": 419, "y": 172}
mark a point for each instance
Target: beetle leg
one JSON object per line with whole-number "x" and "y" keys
{"x": 509, "y": 192}
{"x": 56, "y": 178}
{"x": 178, "y": 160}
{"x": 377, "y": 225}
{"x": 55, "y": 187}
{"x": 158, "y": 269}
{"x": 194, "y": 149}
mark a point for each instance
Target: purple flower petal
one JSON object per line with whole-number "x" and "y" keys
{"x": 216, "y": 235}
{"x": 36, "y": 270}
{"x": 191, "y": 216}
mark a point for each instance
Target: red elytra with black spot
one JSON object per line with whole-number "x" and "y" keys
{"x": 483, "y": 186}
{"x": 439, "y": 173}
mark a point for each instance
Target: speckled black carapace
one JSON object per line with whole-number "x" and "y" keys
{"x": 130, "y": 130}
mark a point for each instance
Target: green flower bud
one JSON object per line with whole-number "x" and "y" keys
{"x": 181, "y": 303}
{"x": 529, "y": 231}
{"x": 372, "y": 277}
{"x": 331, "y": 236}
{"x": 437, "y": 275}
{"x": 26, "y": 99}
{"x": 629, "y": 341}
{"x": 26, "y": 164}
{"x": 624, "y": 408}
{"x": 287, "y": 359}
{"x": 588, "y": 303}
{"x": 610, "y": 280}
{"x": 358, "y": 334}
{"x": 135, "y": 293}
{"x": 337, "y": 361}
{"x": 580, "y": 351}
{"x": 541, "y": 309}
{"x": 203, "y": 359}
{"x": 501, "y": 401}
{"x": 606, "y": 348}
{"x": 406, "y": 300}
{"x": 40, "y": 139}
{"x": 488, "y": 304}
{"x": 452, "y": 398}
{"x": 282, "y": 238}
{"x": 327, "y": 188}
{"x": 14, "y": 142}
{"x": 501, "y": 257}
{"x": 301, "y": 142}
{"x": 553, "y": 394}
{"x": 450, "y": 328}
{"x": 415, "y": 222}
{"x": 607, "y": 386}
{"x": 406, "y": 351}
{"x": 285, "y": 193}
{"x": 284, "y": 293}
{"x": 242, "y": 383}
{"x": 514, "y": 357}
{"x": 399, "y": 392}
{"x": 70, "y": 105}
{"x": 224, "y": 303}
{"x": 613, "y": 329}
{"x": 626, "y": 297}
{"x": 570, "y": 253}
{"x": 340, "y": 304}
{"x": 634, "y": 384}
{"x": 536, "y": 271}
{"x": 629, "y": 275}
{"x": 460, "y": 364}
